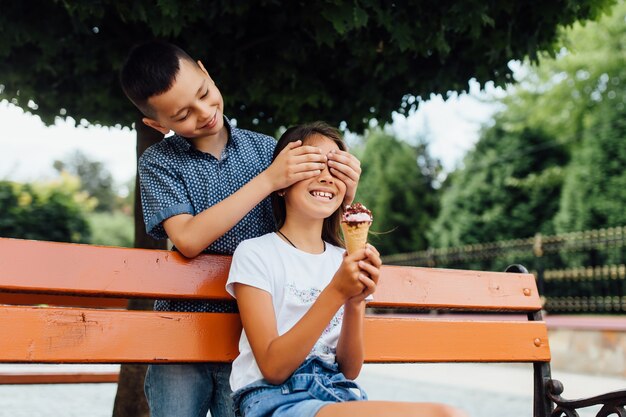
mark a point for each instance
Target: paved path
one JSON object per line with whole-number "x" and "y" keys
{"x": 483, "y": 390}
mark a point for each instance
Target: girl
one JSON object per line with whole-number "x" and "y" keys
{"x": 302, "y": 301}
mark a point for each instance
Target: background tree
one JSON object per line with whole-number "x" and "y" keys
{"x": 509, "y": 187}
{"x": 53, "y": 211}
{"x": 397, "y": 184}
{"x": 594, "y": 192}
{"x": 550, "y": 161}
{"x": 277, "y": 62}
{"x": 111, "y": 221}
{"x": 95, "y": 179}
{"x": 593, "y": 71}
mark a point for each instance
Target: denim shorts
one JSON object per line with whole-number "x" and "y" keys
{"x": 313, "y": 385}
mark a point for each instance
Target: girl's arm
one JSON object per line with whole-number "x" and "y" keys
{"x": 279, "y": 356}
{"x": 350, "y": 347}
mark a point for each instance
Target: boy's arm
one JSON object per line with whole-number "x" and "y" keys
{"x": 347, "y": 168}
{"x": 192, "y": 234}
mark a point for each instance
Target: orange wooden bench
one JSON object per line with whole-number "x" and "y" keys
{"x": 32, "y": 334}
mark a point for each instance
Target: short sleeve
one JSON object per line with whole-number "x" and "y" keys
{"x": 249, "y": 267}
{"x": 163, "y": 193}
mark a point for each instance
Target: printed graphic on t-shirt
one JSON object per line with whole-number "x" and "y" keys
{"x": 305, "y": 297}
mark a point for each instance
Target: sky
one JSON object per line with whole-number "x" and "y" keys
{"x": 28, "y": 148}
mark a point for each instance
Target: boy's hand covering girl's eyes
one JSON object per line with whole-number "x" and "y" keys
{"x": 347, "y": 168}
{"x": 295, "y": 163}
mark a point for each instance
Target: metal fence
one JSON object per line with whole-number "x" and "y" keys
{"x": 580, "y": 272}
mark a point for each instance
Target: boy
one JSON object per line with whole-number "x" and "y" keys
{"x": 206, "y": 188}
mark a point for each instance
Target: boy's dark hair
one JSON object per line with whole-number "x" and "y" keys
{"x": 149, "y": 70}
{"x": 331, "y": 230}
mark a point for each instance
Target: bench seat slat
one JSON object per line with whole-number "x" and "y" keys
{"x": 68, "y": 335}
{"x": 137, "y": 273}
{"x": 76, "y": 335}
{"x": 444, "y": 340}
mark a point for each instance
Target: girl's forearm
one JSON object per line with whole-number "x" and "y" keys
{"x": 286, "y": 352}
{"x": 350, "y": 348}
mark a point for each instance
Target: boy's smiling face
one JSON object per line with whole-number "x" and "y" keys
{"x": 193, "y": 107}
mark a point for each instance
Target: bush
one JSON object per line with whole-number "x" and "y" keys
{"x": 54, "y": 211}
{"x": 111, "y": 229}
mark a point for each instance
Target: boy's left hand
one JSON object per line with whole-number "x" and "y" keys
{"x": 347, "y": 168}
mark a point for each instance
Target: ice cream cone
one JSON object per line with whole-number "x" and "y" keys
{"x": 355, "y": 223}
{"x": 355, "y": 235}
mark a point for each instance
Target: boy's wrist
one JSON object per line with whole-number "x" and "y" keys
{"x": 265, "y": 182}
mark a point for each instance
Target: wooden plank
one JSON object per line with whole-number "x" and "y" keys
{"x": 64, "y": 335}
{"x": 58, "y": 378}
{"x": 165, "y": 274}
{"x": 61, "y": 300}
{"x": 68, "y": 335}
{"x": 435, "y": 340}
{"x": 65, "y": 268}
{"x": 450, "y": 288}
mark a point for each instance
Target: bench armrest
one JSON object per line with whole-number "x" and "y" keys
{"x": 612, "y": 403}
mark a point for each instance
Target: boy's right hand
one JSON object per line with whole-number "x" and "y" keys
{"x": 295, "y": 163}
{"x": 348, "y": 280}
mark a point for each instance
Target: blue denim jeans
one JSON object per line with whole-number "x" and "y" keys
{"x": 189, "y": 390}
{"x": 312, "y": 386}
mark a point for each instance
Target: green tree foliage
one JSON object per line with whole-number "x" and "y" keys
{"x": 95, "y": 179}
{"x": 53, "y": 211}
{"x": 553, "y": 159}
{"x": 594, "y": 192}
{"x": 397, "y": 184}
{"x": 111, "y": 229}
{"x": 277, "y": 62}
{"x": 111, "y": 224}
{"x": 509, "y": 187}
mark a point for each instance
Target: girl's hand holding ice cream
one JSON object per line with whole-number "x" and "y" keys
{"x": 348, "y": 280}
{"x": 370, "y": 272}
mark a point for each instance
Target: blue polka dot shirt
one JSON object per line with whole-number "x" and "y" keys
{"x": 176, "y": 178}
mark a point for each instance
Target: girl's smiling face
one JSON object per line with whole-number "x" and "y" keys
{"x": 318, "y": 197}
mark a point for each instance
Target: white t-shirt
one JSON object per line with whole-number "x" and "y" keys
{"x": 294, "y": 279}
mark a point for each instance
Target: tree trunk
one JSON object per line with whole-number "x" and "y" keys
{"x": 130, "y": 400}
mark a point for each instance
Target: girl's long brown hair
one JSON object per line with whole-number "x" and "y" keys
{"x": 331, "y": 230}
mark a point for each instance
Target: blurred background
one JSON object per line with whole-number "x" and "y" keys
{"x": 489, "y": 133}
{"x": 530, "y": 171}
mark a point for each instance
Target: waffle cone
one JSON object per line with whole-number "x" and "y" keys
{"x": 355, "y": 236}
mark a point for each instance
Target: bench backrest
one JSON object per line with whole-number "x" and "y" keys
{"x": 90, "y": 335}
